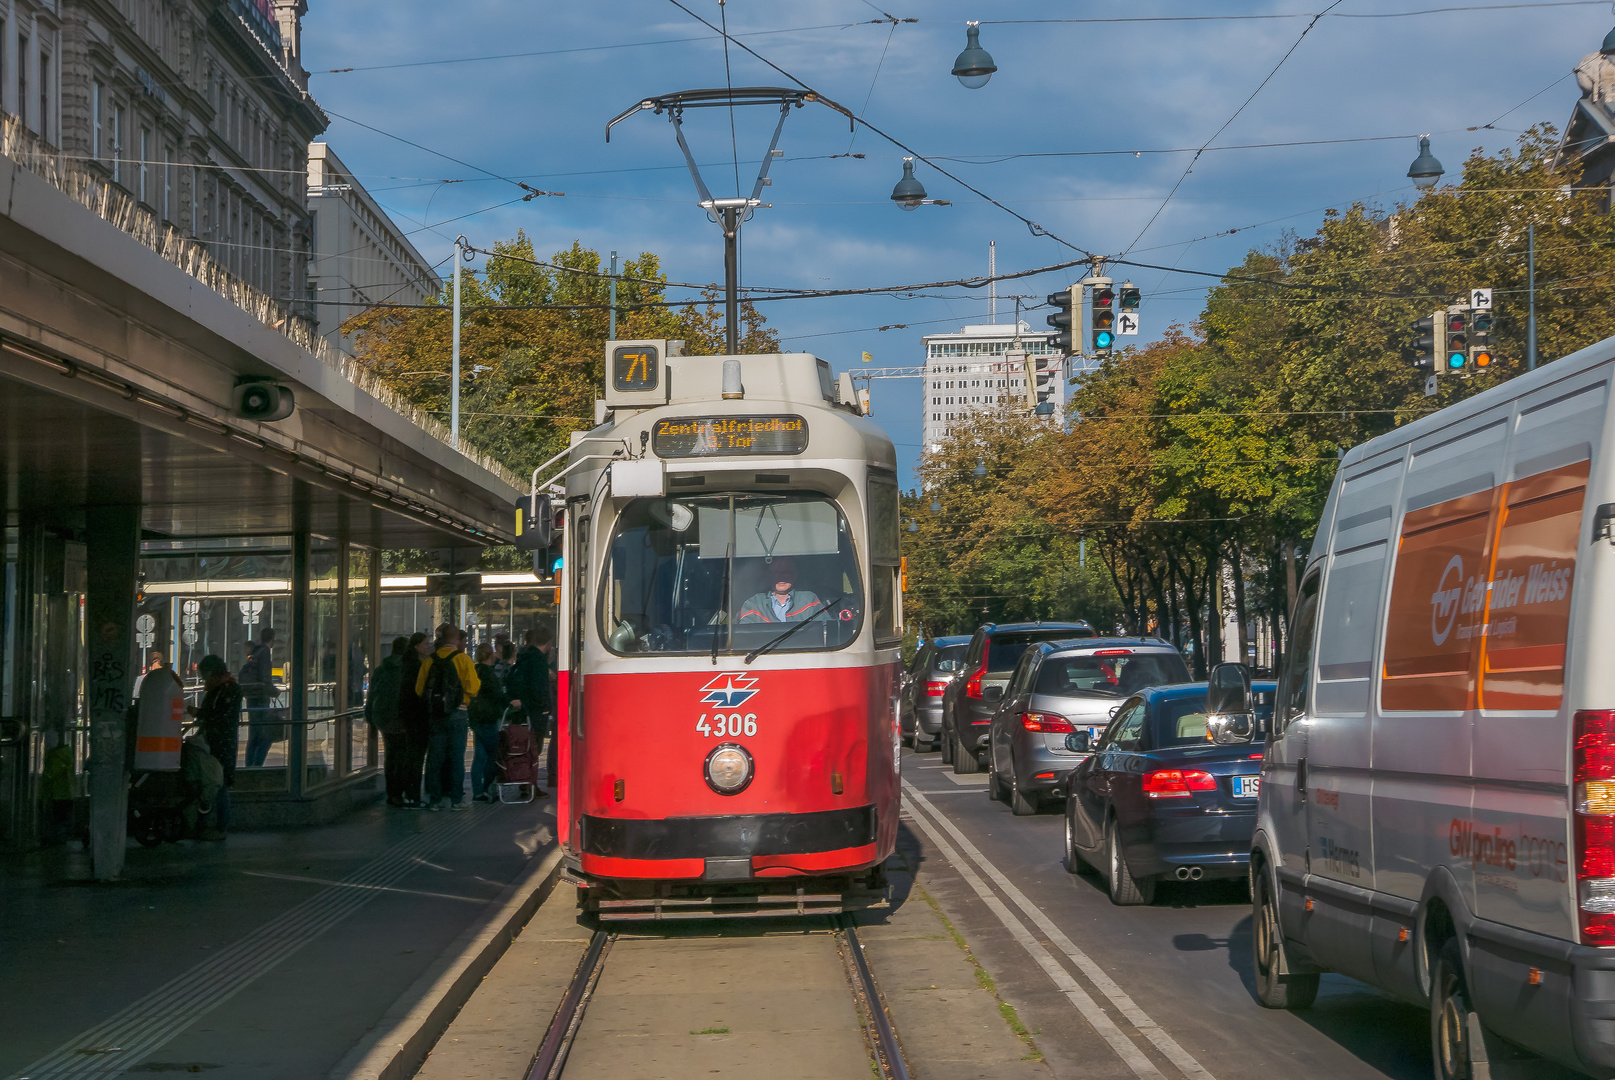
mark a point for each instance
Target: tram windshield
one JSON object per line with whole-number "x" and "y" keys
{"x": 729, "y": 573}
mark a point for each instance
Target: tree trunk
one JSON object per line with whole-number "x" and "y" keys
{"x": 1245, "y": 656}
{"x": 1214, "y": 647}
{"x": 1289, "y": 580}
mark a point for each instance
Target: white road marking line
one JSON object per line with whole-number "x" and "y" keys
{"x": 1107, "y": 986}
{"x": 1086, "y": 1005}
{"x": 375, "y": 888}
{"x": 154, "y": 1020}
{"x": 968, "y": 780}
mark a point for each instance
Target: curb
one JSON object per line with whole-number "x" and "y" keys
{"x": 399, "y": 1042}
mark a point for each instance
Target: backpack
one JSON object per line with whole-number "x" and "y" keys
{"x": 444, "y": 691}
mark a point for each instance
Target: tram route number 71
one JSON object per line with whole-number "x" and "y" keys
{"x": 732, "y": 725}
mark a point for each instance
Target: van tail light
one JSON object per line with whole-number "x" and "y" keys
{"x": 1046, "y": 722}
{"x": 973, "y": 686}
{"x": 936, "y": 687}
{"x": 1177, "y": 783}
{"x": 1594, "y": 775}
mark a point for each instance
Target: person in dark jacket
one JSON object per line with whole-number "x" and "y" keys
{"x": 486, "y": 710}
{"x": 383, "y": 711}
{"x": 532, "y": 685}
{"x": 412, "y": 718}
{"x": 218, "y": 716}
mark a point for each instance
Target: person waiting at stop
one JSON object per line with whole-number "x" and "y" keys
{"x": 784, "y": 602}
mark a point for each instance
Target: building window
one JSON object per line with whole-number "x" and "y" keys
{"x": 145, "y": 165}
{"x": 168, "y": 182}
{"x": 117, "y": 144}
{"x": 96, "y": 148}
{"x": 44, "y": 95}
{"x": 22, "y": 78}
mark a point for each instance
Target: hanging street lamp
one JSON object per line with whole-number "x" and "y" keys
{"x": 974, "y": 66}
{"x": 1426, "y": 170}
{"x": 909, "y": 193}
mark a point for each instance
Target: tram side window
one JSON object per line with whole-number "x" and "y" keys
{"x": 729, "y": 572}
{"x": 884, "y": 530}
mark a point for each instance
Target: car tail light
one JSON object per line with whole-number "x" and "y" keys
{"x": 1594, "y": 774}
{"x": 936, "y": 687}
{"x": 1047, "y": 722}
{"x": 1177, "y": 783}
{"x": 973, "y": 686}
{"x": 1112, "y": 652}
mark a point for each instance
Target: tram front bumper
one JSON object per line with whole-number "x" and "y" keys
{"x": 723, "y": 848}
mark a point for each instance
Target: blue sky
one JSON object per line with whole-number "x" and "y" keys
{"x": 1150, "y": 85}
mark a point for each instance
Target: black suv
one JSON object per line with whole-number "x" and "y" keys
{"x": 968, "y": 704}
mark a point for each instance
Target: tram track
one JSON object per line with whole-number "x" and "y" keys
{"x": 566, "y": 1026}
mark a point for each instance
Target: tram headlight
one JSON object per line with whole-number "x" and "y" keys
{"x": 728, "y": 769}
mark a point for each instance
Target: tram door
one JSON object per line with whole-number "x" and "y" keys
{"x": 569, "y": 725}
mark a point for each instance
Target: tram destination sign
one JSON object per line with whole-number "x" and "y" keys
{"x": 729, "y": 436}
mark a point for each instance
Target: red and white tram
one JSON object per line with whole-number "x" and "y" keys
{"x": 728, "y": 666}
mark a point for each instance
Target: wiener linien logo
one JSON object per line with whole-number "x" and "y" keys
{"x": 730, "y": 690}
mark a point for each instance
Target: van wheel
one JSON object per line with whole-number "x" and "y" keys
{"x": 1020, "y": 805}
{"x": 1124, "y": 891}
{"x": 964, "y": 758}
{"x": 1450, "y": 1012}
{"x": 1273, "y": 990}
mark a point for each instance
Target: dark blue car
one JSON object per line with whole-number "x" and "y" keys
{"x": 1158, "y": 798}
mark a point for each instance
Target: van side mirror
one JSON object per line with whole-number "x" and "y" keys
{"x": 992, "y": 693}
{"x": 1079, "y": 742}
{"x": 1231, "y": 728}
{"x": 1228, "y": 690}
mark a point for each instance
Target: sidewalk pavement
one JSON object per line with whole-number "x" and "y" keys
{"x": 270, "y": 955}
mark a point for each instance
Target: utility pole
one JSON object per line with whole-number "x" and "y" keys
{"x": 992, "y": 283}
{"x": 1530, "y": 287}
{"x": 613, "y": 334}
{"x": 454, "y": 373}
{"x": 731, "y": 274}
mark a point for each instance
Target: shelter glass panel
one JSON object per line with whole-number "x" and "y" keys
{"x": 361, "y": 654}
{"x": 319, "y": 672}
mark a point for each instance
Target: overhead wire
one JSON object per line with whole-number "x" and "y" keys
{"x": 1190, "y": 167}
{"x": 1036, "y": 229}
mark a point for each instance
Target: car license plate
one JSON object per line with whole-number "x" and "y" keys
{"x": 1245, "y": 787}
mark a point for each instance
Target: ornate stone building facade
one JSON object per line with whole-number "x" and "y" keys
{"x": 199, "y": 109}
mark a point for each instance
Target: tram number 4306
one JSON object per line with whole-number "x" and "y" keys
{"x": 730, "y": 724}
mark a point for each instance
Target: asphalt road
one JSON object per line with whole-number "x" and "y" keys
{"x": 1163, "y": 991}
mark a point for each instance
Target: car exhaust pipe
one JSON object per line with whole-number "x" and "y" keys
{"x": 1183, "y": 873}
{"x": 1189, "y": 873}
{"x": 1194, "y": 873}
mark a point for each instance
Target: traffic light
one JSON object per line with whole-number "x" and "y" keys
{"x": 1480, "y": 339}
{"x": 1127, "y": 297}
{"x": 1425, "y": 343}
{"x": 1102, "y": 316}
{"x": 1062, "y": 338}
{"x": 1457, "y": 350}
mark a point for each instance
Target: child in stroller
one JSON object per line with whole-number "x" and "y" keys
{"x": 518, "y": 761}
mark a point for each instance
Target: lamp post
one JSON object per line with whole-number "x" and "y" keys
{"x": 974, "y": 66}
{"x": 454, "y": 374}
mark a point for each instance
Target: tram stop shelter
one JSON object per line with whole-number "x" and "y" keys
{"x": 144, "y": 514}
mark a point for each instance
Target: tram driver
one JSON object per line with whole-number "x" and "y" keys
{"x": 784, "y": 602}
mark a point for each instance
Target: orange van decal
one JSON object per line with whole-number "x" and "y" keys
{"x": 1480, "y": 602}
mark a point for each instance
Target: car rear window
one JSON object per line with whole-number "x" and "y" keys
{"x": 950, "y": 658}
{"x": 1182, "y": 722}
{"x": 1108, "y": 676}
{"x": 1006, "y": 649}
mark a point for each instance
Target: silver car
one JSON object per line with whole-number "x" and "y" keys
{"x": 938, "y": 663}
{"x": 1061, "y": 687}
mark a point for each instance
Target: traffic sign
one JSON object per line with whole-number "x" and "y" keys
{"x": 1127, "y": 324}
{"x": 1429, "y": 386}
{"x": 1480, "y": 299}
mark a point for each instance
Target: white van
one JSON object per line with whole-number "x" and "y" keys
{"x": 1437, "y": 812}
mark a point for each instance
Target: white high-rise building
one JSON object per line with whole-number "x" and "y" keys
{"x": 973, "y": 369}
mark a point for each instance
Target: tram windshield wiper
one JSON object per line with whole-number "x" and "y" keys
{"x": 759, "y": 650}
